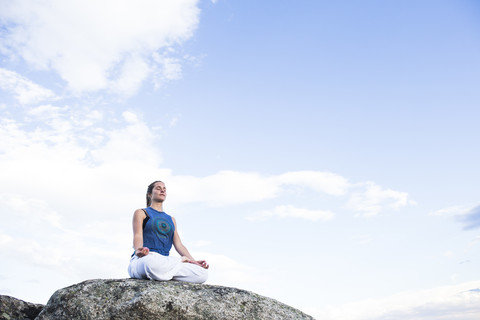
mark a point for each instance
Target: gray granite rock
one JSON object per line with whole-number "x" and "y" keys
{"x": 145, "y": 299}
{"x": 12, "y": 308}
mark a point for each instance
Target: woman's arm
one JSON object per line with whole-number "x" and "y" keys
{"x": 183, "y": 251}
{"x": 138, "y": 218}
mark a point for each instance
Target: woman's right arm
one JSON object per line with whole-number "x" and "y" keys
{"x": 138, "y": 218}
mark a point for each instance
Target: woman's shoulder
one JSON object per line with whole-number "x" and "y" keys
{"x": 141, "y": 212}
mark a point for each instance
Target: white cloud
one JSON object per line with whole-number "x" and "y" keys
{"x": 132, "y": 143}
{"x": 448, "y": 254}
{"x": 363, "y": 239}
{"x": 324, "y": 182}
{"x": 460, "y": 302}
{"x": 288, "y": 211}
{"x": 469, "y": 216}
{"x": 373, "y": 199}
{"x": 173, "y": 122}
{"x": 201, "y": 243}
{"x": 131, "y": 75}
{"x": 452, "y": 211}
{"x": 233, "y": 187}
{"x": 96, "y": 45}
{"x": 24, "y": 206}
{"x": 5, "y": 239}
{"x": 226, "y": 271}
{"x": 222, "y": 188}
{"x": 46, "y": 112}
{"x": 167, "y": 68}
{"x": 59, "y": 160}
{"x": 24, "y": 90}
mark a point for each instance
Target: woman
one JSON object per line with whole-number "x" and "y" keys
{"x": 154, "y": 232}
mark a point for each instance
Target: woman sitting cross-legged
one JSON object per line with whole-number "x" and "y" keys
{"x": 154, "y": 232}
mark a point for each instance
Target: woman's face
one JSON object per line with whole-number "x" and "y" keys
{"x": 159, "y": 192}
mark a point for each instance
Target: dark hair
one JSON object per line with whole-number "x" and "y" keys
{"x": 149, "y": 192}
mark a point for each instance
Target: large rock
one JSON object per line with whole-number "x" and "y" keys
{"x": 12, "y": 308}
{"x": 146, "y": 299}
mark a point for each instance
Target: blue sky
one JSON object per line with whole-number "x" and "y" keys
{"x": 321, "y": 153}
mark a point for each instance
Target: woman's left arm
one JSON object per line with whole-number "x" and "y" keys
{"x": 183, "y": 251}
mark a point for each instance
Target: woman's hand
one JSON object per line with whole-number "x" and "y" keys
{"x": 200, "y": 263}
{"x": 203, "y": 264}
{"x": 142, "y": 252}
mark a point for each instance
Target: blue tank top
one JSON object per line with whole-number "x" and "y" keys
{"x": 158, "y": 232}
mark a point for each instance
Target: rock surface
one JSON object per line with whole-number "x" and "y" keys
{"x": 12, "y": 308}
{"x": 145, "y": 299}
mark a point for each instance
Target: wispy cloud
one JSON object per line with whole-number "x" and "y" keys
{"x": 324, "y": 182}
{"x": 370, "y": 199}
{"x": 24, "y": 90}
{"x": 451, "y": 211}
{"x": 95, "y": 45}
{"x": 228, "y": 271}
{"x": 471, "y": 219}
{"x": 233, "y": 187}
{"x": 467, "y": 215}
{"x": 289, "y": 211}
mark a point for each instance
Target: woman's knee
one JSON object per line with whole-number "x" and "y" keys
{"x": 204, "y": 277}
{"x": 201, "y": 275}
{"x": 133, "y": 270}
{"x": 192, "y": 273}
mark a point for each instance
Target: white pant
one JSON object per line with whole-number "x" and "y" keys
{"x": 155, "y": 266}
